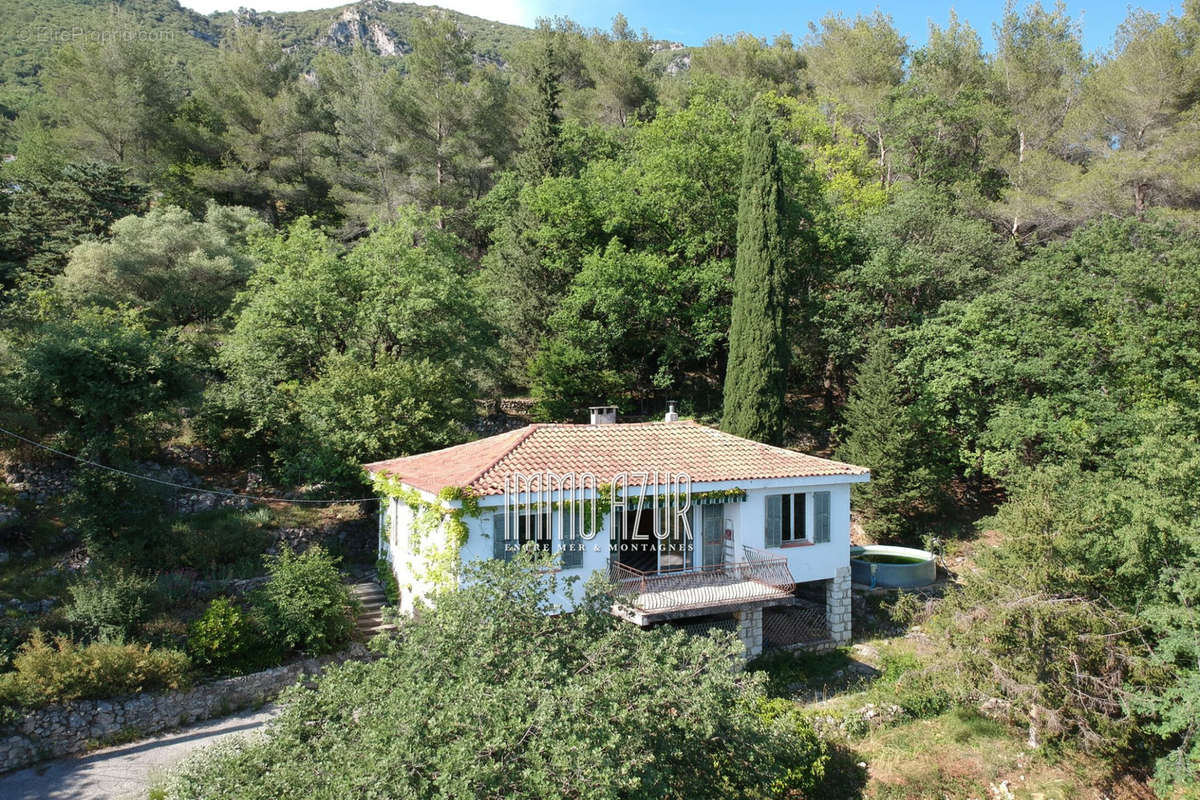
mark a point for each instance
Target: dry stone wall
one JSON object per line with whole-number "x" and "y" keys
{"x": 63, "y": 730}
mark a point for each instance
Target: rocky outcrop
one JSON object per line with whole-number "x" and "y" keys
{"x": 38, "y": 483}
{"x": 357, "y": 26}
{"x": 678, "y": 64}
{"x": 356, "y": 540}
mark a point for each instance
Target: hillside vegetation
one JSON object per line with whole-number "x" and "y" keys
{"x": 32, "y": 32}
{"x": 973, "y": 272}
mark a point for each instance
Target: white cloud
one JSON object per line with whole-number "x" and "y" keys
{"x": 514, "y": 12}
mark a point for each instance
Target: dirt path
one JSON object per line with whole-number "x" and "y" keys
{"x": 126, "y": 771}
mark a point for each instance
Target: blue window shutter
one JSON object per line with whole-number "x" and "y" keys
{"x": 774, "y": 534}
{"x": 820, "y": 516}
{"x": 572, "y": 555}
{"x": 498, "y": 543}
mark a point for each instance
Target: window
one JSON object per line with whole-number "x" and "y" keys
{"x": 785, "y": 519}
{"x": 529, "y": 528}
{"x": 635, "y": 543}
{"x": 792, "y": 524}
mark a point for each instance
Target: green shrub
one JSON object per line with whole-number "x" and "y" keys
{"x": 228, "y": 639}
{"x": 924, "y": 693}
{"x": 123, "y": 522}
{"x": 120, "y": 519}
{"x": 10, "y": 703}
{"x": 59, "y": 671}
{"x": 110, "y": 603}
{"x": 173, "y": 588}
{"x": 921, "y": 689}
{"x": 387, "y": 579}
{"x": 503, "y": 699}
{"x": 895, "y": 663}
{"x": 307, "y": 606}
{"x": 10, "y": 640}
{"x": 800, "y": 771}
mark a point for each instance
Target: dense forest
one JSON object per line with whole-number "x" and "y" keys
{"x": 303, "y": 253}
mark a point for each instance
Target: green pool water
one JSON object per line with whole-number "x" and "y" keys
{"x": 886, "y": 558}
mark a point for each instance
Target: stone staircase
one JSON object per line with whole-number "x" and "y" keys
{"x": 370, "y": 596}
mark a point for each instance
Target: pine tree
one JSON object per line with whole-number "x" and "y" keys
{"x": 460, "y": 120}
{"x": 756, "y": 377}
{"x": 884, "y": 434}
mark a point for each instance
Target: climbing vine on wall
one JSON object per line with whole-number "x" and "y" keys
{"x": 442, "y": 563}
{"x": 734, "y": 495}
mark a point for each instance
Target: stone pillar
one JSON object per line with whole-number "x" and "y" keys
{"x": 837, "y": 607}
{"x": 750, "y": 631}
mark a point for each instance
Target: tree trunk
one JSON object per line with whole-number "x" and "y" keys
{"x": 439, "y": 177}
{"x": 829, "y": 398}
{"x": 1140, "y": 193}
{"x": 1016, "y": 224}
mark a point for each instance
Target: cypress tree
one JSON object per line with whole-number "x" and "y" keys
{"x": 539, "y": 143}
{"x": 756, "y": 377}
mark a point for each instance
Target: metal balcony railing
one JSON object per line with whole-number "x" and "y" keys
{"x": 762, "y": 576}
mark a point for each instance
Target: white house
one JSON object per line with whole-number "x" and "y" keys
{"x": 740, "y": 527}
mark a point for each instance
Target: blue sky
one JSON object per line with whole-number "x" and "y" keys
{"x": 691, "y": 22}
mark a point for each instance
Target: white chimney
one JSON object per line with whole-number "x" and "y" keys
{"x": 671, "y": 416}
{"x": 603, "y": 415}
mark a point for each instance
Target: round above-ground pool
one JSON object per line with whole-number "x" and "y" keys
{"x": 898, "y": 567}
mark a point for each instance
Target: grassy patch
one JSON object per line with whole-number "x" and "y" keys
{"x": 221, "y": 544}
{"x": 957, "y": 753}
{"x": 32, "y": 579}
{"x": 936, "y": 748}
{"x": 123, "y": 736}
{"x": 284, "y": 515}
{"x": 962, "y": 754}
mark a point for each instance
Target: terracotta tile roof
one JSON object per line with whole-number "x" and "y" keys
{"x": 605, "y": 451}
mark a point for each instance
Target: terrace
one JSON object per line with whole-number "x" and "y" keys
{"x": 645, "y": 598}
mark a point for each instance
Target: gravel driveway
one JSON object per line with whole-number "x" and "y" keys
{"x": 126, "y": 771}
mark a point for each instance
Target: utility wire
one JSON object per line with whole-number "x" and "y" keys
{"x": 222, "y": 493}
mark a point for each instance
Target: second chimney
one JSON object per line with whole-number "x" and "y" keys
{"x": 603, "y": 415}
{"x": 672, "y": 414}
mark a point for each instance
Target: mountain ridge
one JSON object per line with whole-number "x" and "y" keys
{"x": 32, "y": 31}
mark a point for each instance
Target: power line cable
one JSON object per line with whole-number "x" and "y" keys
{"x": 220, "y": 492}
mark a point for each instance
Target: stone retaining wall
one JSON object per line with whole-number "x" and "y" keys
{"x": 515, "y": 406}
{"x": 58, "y": 731}
{"x": 814, "y": 646}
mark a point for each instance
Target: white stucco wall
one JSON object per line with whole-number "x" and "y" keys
{"x": 411, "y": 569}
{"x": 808, "y": 562}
